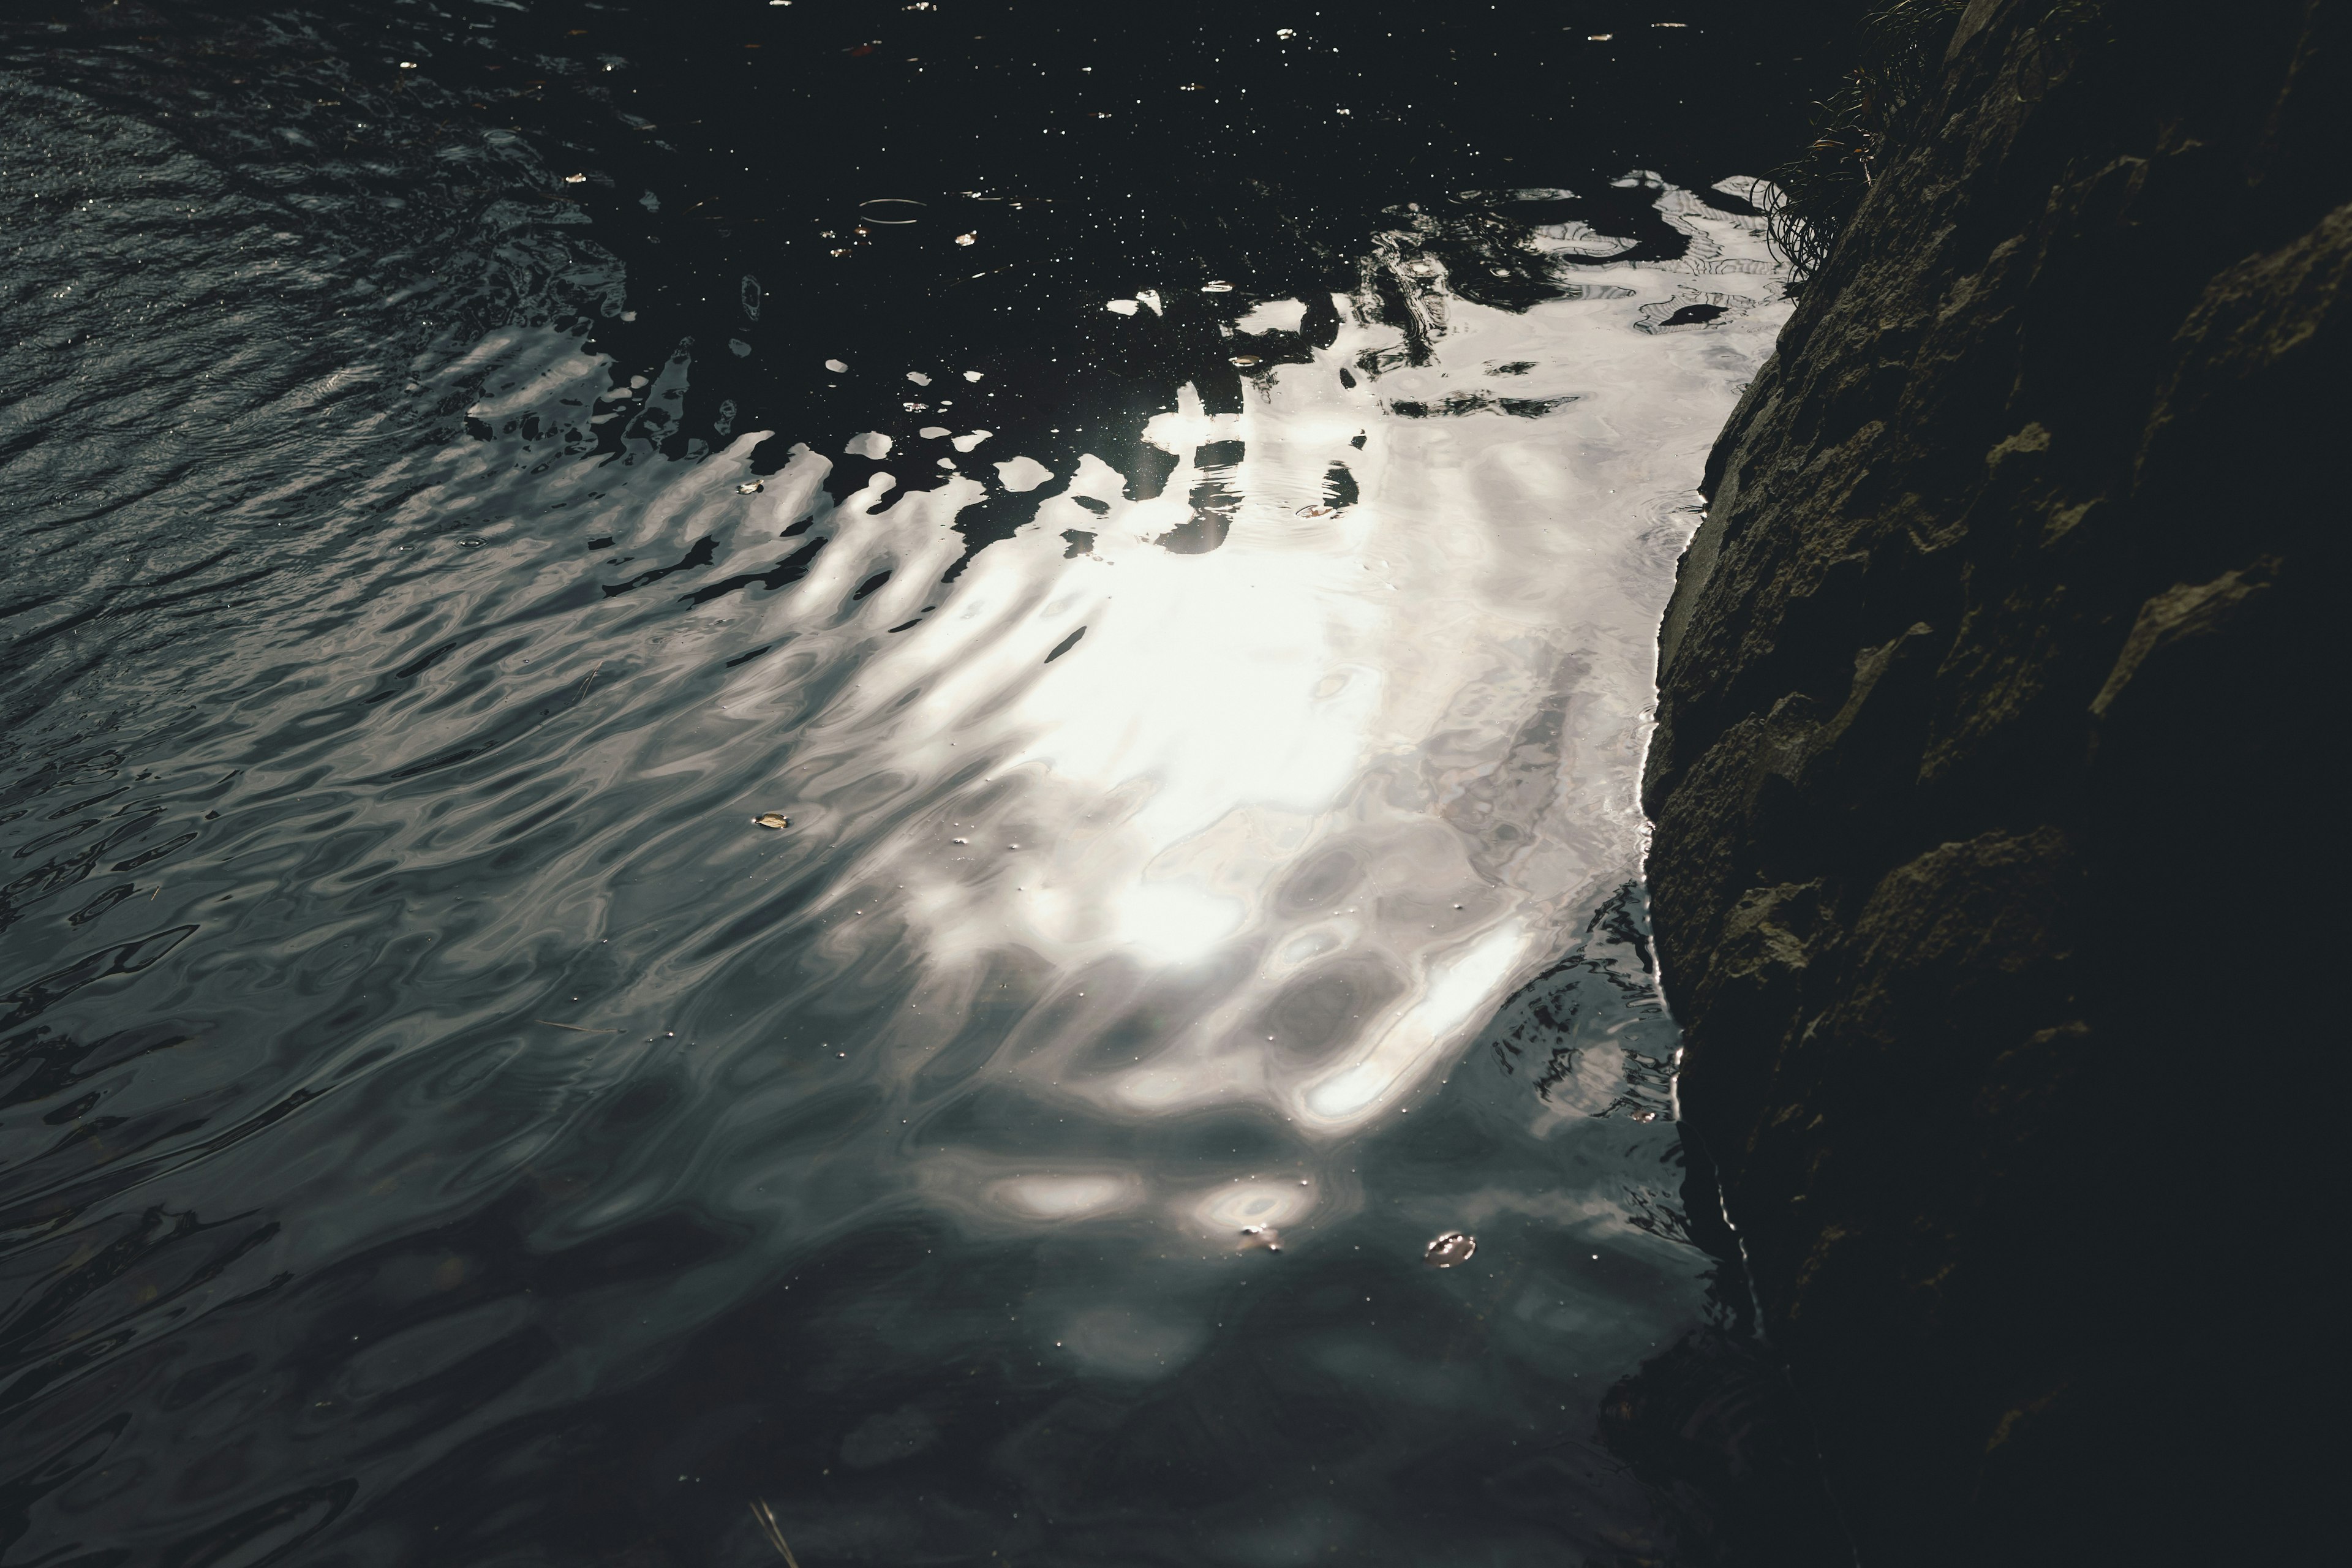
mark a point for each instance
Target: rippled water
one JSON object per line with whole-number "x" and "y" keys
{"x": 1196, "y": 628}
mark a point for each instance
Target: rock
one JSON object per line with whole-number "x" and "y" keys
{"x": 1992, "y": 863}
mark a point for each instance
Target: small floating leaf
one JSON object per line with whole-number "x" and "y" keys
{"x": 773, "y": 819}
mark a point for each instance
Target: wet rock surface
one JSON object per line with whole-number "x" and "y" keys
{"x": 1988, "y": 788}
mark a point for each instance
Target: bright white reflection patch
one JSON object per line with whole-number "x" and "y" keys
{"x": 1023, "y": 473}
{"x": 1258, "y": 793}
{"x": 1066, "y": 1197}
{"x": 1460, "y": 990}
{"x": 1228, "y": 1210}
{"x": 1342, "y": 759}
{"x": 1274, "y": 316}
{"x": 1172, "y": 922}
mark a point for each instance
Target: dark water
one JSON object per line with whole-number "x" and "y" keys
{"x": 441, "y": 1126}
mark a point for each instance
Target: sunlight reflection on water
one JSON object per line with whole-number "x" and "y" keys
{"x": 1208, "y": 869}
{"x": 1321, "y": 795}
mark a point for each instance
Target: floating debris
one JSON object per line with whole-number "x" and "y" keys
{"x": 575, "y": 179}
{"x": 1122, "y": 307}
{"x": 835, "y": 366}
{"x": 1244, "y": 361}
{"x": 760, "y": 1510}
{"x": 1455, "y": 1246}
{"x": 1216, "y": 286}
{"x": 966, "y": 238}
{"x": 750, "y": 487}
{"x": 772, "y": 819}
{"x": 973, "y": 374}
{"x": 919, "y": 378}
{"x": 1316, "y": 511}
{"x": 895, "y": 211}
{"x": 1254, "y": 1236}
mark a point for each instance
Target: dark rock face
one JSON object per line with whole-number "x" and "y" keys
{"x": 1992, "y": 841}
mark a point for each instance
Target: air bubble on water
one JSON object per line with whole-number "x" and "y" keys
{"x": 1455, "y": 1246}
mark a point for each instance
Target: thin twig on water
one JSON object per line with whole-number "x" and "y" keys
{"x": 760, "y": 1511}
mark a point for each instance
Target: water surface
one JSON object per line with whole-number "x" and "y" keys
{"x": 1190, "y": 597}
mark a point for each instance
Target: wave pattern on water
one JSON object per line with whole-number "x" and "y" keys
{"x": 444, "y": 1126}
